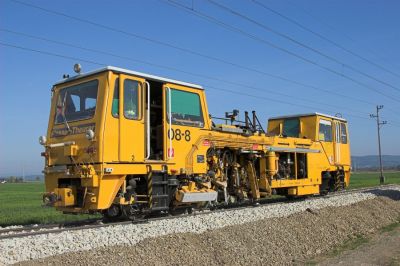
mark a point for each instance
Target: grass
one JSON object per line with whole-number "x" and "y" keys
{"x": 356, "y": 242}
{"x": 358, "y": 180}
{"x": 391, "y": 227}
{"x": 349, "y": 244}
{"x": 21, "y": 203}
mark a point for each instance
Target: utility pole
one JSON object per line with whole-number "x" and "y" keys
{"x": 379, "y": 124}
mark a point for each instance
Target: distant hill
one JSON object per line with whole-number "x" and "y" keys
{"x": 372, "y": 161}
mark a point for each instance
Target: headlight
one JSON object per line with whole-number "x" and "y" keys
{"x": 89, "y": 134}
{"x": 42, "y": 140}
{"x": 77, "y": 68}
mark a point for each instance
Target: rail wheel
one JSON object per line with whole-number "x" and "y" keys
{"x": 112, "y": 214}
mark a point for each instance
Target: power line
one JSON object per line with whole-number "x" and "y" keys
{"x": 275, "y": 46}
{"x": 178, "y": 70}
{"x": 395, "y": 125}
{"x": 263, "y": 5}
{"x": 281, "y": 101}
{"x": 220, "y": 89}
{"x": 293, "y": 40}
{"x": 51, "y": 54}
{"x": 183, "y": 71}
{"x": 222, "y": 24}
{"x": 174, "y": 46}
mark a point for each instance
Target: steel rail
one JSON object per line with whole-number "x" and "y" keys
{"x": 83, "y": 225}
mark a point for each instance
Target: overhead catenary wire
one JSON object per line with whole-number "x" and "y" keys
{"x": 211, "y": 87}
{"x": 50, "y": 53}
{"x": 293, "y": 54}
{"x": 224, "y": 25}
{"x": 242, "y": 85}
{"x": 323, "y": 37}
{"x": 293, "y": 40}
{"x": 186, "y": 50}
{"x": 174, "y": 69}
{"x": 191, "y": 52}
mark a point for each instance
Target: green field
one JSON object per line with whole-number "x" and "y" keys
{"x": 358, "y": 180}
{"x": 21, "y": 203}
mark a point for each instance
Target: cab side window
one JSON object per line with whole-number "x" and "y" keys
{"x": 115, "y": 102}
{"x": 325, "y": 130}
{"x": 185, "y": 108}
{"x": 291, "y": 127}
{"x": 131, "y": 102}
{"x": 343, "y": 133}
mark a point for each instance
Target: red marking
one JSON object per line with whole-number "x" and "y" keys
{"x": 206, "y": 143}
{"x": 174, "y": 171}
{"x": 255, "y": 147}
{"x": 171, "y": 152}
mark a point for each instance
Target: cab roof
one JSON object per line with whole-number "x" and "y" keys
{"x": 130, "y": 72}
{"x": 309, "y": 114}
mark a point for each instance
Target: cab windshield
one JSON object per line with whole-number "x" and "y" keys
{"x": 77, "y": 102}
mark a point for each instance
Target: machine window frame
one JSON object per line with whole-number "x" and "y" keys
{"x": 182, "y": 122}
{"x": 138, "y": 88}
{"x": 81, "y": 103}
{"x": 325, "y": 122}
{"x": 343, "y": 129}
{"x": 115, "y": 99}
{"x": 296, "y": 127}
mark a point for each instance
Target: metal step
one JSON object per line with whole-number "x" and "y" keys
{"x": 160, "y": 183}
{"x": 160, "y": 208}
{"x": 160, "y": 196}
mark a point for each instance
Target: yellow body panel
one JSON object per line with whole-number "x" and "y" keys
{"x": 65, "y": 197}
{"x": 100, "y": 167}
{"x": 303, "y": 190}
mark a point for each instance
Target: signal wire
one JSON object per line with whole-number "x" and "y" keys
{"x": 214, "y": 88}
{"x": 175, "y": 69}
{"x": 275, "y": 46}
{"x": 51, "y": 54}
{"x": 179, "y": 70}
{"x": 263, "y": 5}
{"x": 169, "y": 44}
{"x": 293, "y": 40}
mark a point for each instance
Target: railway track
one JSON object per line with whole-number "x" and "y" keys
{"x": 26, "y": 231}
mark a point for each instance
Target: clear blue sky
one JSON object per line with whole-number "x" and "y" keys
{"x": 368, "y": 28}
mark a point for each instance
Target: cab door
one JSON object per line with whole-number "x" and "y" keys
{"x": 344, "y": 144}
{"x": 185, "y": 116}
{"x": 131, "y": 119}
{"x": 337, "y": 140}
{"x": 325, "y": 137}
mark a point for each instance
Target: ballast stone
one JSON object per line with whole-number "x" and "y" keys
{"x": 40, "y": 246}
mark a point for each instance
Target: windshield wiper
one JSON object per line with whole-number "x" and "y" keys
{"x": 63, "y": 113}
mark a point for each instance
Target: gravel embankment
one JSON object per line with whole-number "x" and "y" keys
{"x": 237, "y": 236}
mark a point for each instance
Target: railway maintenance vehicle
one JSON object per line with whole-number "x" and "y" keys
{"x": 127, "y": 144}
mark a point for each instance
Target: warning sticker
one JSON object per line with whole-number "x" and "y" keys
{"x": 206, "y": 143}
{"x": 171, "y": 152}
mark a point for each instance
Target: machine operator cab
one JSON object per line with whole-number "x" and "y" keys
{"x": 141, "y": 117}
{"x": 330, "y": 131}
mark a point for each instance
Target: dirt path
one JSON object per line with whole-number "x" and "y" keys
{"x": 380, "y": 249}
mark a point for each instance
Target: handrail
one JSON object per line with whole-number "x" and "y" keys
{"x": 148, "y": 121}
{"x": 170, "y": 148}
